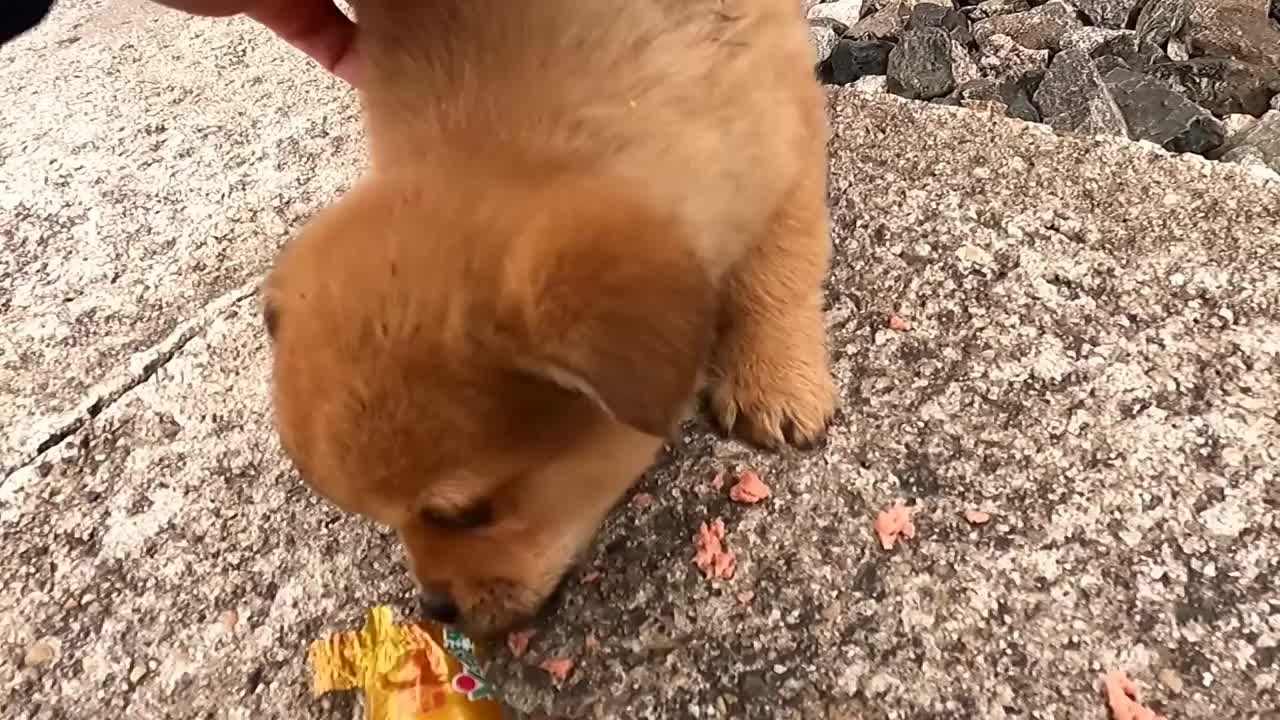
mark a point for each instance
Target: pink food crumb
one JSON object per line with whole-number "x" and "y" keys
{"x": 717, "y": 482}
{"x": 711, "y": 557}
{"x": 898, "y": 323}
{"x": 977, "y": 517}
{"x": 892, "y": 524}
{"x": 559, "y": 668}
{"x": 642, "y": 500}
{"x": 591, "y": 643}
{"x": 518, "y": 642}
{"x": 591, "y": 577}
{"x": 749, "y": 488}
{"x": 1122, "y": 698}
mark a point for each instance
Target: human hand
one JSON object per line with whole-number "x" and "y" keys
{"x": 316, "y": 27}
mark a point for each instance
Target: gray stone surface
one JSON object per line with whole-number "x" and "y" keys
{"x": 845, "y": 12}
{"x": 1092, "y": 358}
{"x": 824, "y": 39}
{"x": 1089, "y": 38}
{"x": 1239, "y": 29}
{"x": 1037, "y": 29}
{"x": 1161, "y": 19}
{"x": 921, "y": 65}
{"x": 1222, "y": 85}
{"x": 148, "y": 162}
{"x": 1107, "y": 13}
{"x": 1260, "y": 143}
{"x": 1157, "y": 114}
{"x": 1073, "y": 98}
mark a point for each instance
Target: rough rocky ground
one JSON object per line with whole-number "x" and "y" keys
{"x": 1195, "y": 76}
{"x": 1092, "y": 358}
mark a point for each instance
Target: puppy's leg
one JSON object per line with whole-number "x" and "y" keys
{"x": 772, "y": 371}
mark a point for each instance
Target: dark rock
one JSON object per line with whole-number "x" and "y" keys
{"x": 1073, "y": 97}
{"x": 1257, "y": 144}
{"x": 853, "y": 59}
{"x": 1107, "y": 13}
{"x": 1009, "y": 98}
{"x": 1239, "y": 29}
{"x": 921, "y": 65}
{"x": 1275, "y": 10}
{"x": 1221, "y": 85}
{"x": 1107, "y": 63}
{"x": 1137, "y": 54}
{"x": 1037, "y": 29}
{"x": 1155, "y": 113}
{"x": 886, "y": 23}
{"x": 953, "y": 21}
{"x": 1161, "y": 19}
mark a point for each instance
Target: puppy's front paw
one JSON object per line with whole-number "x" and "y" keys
{"x": 775, "y": 385}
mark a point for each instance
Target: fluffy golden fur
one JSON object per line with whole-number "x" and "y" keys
{"x": 574, "y": 211}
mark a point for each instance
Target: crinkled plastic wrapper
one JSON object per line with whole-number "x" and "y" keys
{"x": 414, "y": 671}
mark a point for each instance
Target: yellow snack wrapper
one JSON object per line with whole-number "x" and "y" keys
{"x": 414, "y": 671}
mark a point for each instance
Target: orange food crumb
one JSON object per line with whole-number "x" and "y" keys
{"x": 642, "y": 500}
{"x": 559, "y": 668}
{"x": 977, "y": 517}
{"x": 1122, "y": 698}
{"x": 898, "y": 323}
{"x": 518, "y": 642}
{"x": 749, "y": 488}
{"x": 711, "y": 557}
{"x": 892, "y": 524}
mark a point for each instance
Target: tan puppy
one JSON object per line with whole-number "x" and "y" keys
{"x": 573, "y": 209}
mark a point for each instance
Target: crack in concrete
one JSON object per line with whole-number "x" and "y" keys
{"x": 140, "y": 368}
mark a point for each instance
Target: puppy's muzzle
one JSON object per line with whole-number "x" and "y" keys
{"x": 439, "y": 606}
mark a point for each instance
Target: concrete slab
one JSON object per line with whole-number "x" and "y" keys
{"x": 1092, "y": 358}
{"x": 149, "y": 163}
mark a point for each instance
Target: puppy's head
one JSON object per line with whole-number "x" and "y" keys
{"x": 485, "y": 368}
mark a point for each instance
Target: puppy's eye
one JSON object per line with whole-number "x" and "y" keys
{"x": 470, "y": 518}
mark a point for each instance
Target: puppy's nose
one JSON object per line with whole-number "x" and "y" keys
{"x": 438, "y": 606}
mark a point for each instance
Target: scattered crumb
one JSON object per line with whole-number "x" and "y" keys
{"x": 41, "y": 652}
{"x": 746, "y": 597}
{"x": 717, "y": 482}
{"x": 1171, "y": 679}
{"x": 559, "y": 668}
{"x": 977, "y": 517}
{"x": 899, "y": 324}
{"x": 518, "y": 642}
{"x": 749, "y": 488}
{"x": 229, "y": 620}
{"x": 1122, "y": 698}
{"x": 591, "y": 643}
{"x": 591, "y": 577}
{"x": 711, "y": 557}
{"x": 892, "y": 524}
{"x": 642, "y": 500}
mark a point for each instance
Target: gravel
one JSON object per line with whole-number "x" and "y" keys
{"x": 1177, "y": 68}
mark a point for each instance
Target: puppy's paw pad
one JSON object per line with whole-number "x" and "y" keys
{"x": 776, "y": 401}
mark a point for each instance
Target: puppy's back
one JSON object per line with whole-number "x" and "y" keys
{"x": 711, "y": 104}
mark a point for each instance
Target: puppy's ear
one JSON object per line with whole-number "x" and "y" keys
{"x": 611, "y": 302}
